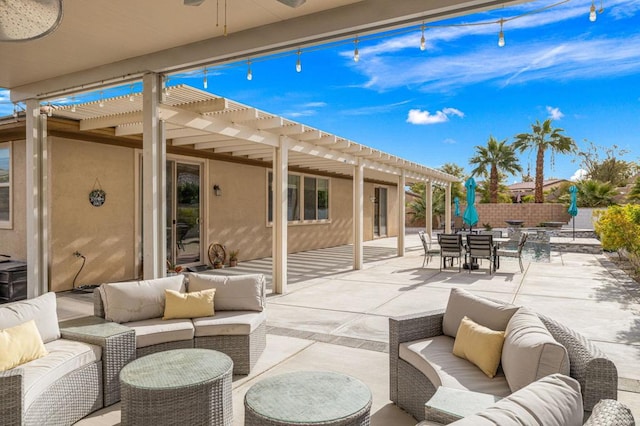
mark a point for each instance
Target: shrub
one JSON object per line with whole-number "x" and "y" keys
{"x": 618, "y": 227}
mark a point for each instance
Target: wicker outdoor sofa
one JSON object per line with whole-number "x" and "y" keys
{"x": 77, "y": 373}
{"x": 410, "y": 388}
{"x": 237, "y": 329}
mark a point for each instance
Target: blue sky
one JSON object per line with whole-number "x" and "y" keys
{"x": 435, "y": 106}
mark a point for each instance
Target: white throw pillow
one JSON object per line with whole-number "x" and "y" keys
{"x": 483, "y": 311}
{"x": 233, "y": 293}
{"x": 41, "y": 309}
{"x": 530, "y": 352}
{"x": 138, "y": 300}
{"x": 551, "y": 401}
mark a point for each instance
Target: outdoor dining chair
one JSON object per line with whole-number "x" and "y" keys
{"x": 450, "y": 247}
{"x": 517, "y": 252}
{"x": 481, "y": 246}
{"x": 428, "y": 251}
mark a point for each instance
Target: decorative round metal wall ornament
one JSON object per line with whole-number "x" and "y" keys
{"x": 97, "y": 196}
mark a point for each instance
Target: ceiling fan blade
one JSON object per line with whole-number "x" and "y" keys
{"x": 193, "y": 2}
{"x": 293, "y": 3}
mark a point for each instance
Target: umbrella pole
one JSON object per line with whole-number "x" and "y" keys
{"x": 574, "y": 228}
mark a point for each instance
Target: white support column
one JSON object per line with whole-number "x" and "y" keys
{"x": 447, "y": 208}
{"x": 358, "y": 215}
{"x": 280, "y": 220}
{"x": 428, "y": 214}
{"x": 401, "y": 212}
{"x": 37, "y": 212}
{"x": 154, "y": 160}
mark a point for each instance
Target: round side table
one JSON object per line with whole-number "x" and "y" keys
{"x": 181, "y": 386}
{"x": 308, "y": 398}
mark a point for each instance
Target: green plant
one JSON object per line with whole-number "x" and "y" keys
{"x": 487, "y": 226}
{"x": 541, "y": 138}
{"x": 233, "y": 254}
{"x": 492, "y": 160}
{"x": 618, "y": 227}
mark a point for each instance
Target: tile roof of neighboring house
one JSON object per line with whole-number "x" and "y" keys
{"x": 530, "y": 186}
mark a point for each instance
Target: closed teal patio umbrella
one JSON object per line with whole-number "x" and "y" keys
{"x": 573, "y": 206}
{"x": 470, "y": 216}
{"x": 456, "y": 201}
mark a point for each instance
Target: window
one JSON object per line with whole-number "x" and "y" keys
{"x": 5, "y": 185}
{"x": 306, "y": 192}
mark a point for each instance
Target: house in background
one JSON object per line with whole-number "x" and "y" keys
{"x": 522, "y": 189}
{"x": 220, "y": 186}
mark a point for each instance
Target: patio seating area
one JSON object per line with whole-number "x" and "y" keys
{"x": 337, "y": 319}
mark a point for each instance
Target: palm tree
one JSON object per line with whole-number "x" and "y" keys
{"x": 543, "y": 137}
{"x": 495, "y": 157}
{"x": 593, "y": 193}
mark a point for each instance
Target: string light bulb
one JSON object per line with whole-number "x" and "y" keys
{"x": 501, "y": 34}
{"x": 73, "y": 101}
{"x": 423, "y": 41}
{"x": 15, "y": 110}
{"x": 205, "y": 84}
{"x": 298, "y": 63}
{"x": 131, "y": 98}
{"x": 356, "y": 52}
{"x": 592, "y": 12}
{"x": 249, "y": 73}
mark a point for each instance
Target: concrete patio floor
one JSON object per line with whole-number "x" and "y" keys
{"x": 336, "y": 319}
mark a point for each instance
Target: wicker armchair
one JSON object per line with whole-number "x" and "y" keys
{"x": 410, "y": 389}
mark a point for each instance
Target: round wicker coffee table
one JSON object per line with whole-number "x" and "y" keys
{"x": 182, "y": 386}
{"x": 308, "y": 398}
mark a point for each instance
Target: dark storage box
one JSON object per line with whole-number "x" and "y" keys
{"x": 13, "y": 281}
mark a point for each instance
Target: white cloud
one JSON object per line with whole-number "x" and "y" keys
{"x": 397, "y": 62}
{"x": 374, "y": 109}
{"x": 315, "y": 105}
{"x": 417, "y": 116}
{"x": 578, "y": 175}
{"x": 6, "y": 107}
{"x": 554, "y": 113}
{"x": 450, "y": 141}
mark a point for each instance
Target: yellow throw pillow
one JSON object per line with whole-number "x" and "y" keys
{"x": 19, "y": 345}
{"x": 479, "y": 345}
{"x": 188, "y": 305}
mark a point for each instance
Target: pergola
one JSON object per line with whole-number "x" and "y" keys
{"x": 106, "y": 43}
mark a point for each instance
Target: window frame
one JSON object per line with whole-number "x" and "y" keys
{"x": 8, "y": 224}
{"x": 301, "y": 199}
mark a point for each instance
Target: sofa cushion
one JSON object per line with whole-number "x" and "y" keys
{"x": 64, "y": 356}
{"x": 41, "y": 309}
{"x": 483, "y": 311}
{"x": 137, "y": 300}
{"x": 156, "y": 330}
{"x": 20, "y": 344}
{"x": 235, "y": 293}
{"x": 229, "y": 323}
{"x": 530, "y": 352}
{"x": 480, "y": 345}
{"x": 434, "y": 358}
{"x": 188, "y": 305}
{"x": 551, "y": 401}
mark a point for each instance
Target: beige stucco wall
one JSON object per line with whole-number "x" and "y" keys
{"x": 105, "y": 235}
{"x": 12, "y": 241}
{"x": 238, "y": 218}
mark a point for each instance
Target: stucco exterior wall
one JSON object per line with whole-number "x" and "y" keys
{"x": 12, "y": 241}
{"x": 104, "y": 235}
{"x": 238, "y": 218}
